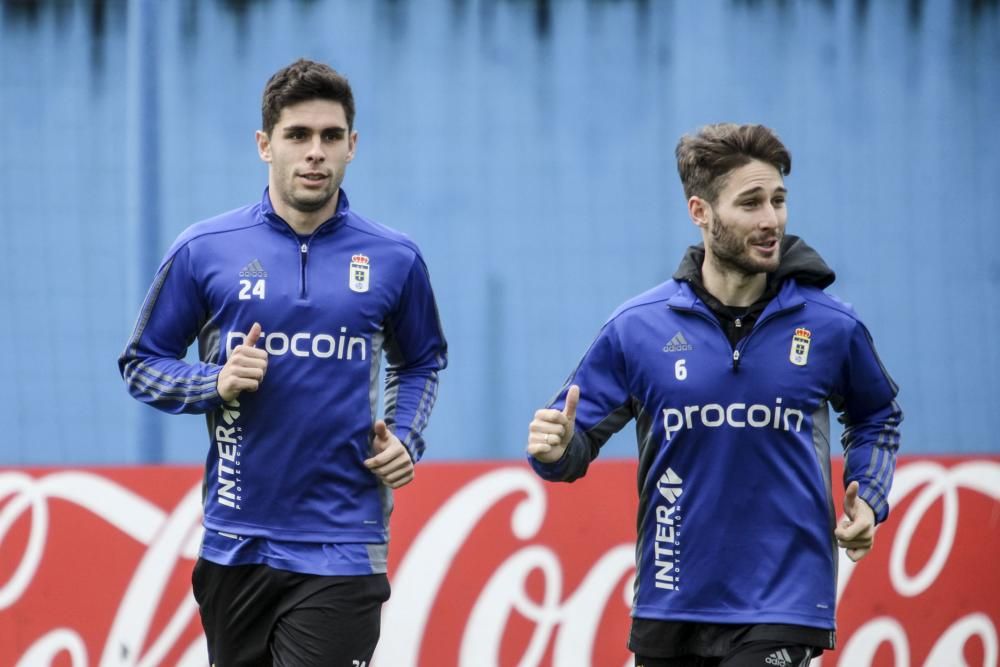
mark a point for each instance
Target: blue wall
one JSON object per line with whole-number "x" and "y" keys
{"x": 528, "y": 147}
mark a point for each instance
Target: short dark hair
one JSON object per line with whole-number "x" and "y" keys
{"x": 705, "y": 159}
{"x": 302, "y": 81}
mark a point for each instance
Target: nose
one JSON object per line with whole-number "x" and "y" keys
{"x": 315, "y": 153}
{"x": 769, "y": 217}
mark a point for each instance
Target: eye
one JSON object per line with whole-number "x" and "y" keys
{"x": 749, "y": 204}
{"x": 296, "y": 135}
{"x": 333, "y": 135}
{"x": 778, "y": 202}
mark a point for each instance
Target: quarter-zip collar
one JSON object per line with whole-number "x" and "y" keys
{"x": 276, "y": 222}
{"x": 788, "y": 296}
{"x": 271, "y": 217}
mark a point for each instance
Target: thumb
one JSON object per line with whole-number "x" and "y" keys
{"x": 572, "y": 398}
{"x": 381, "y": 435}
{"x": 254, "y": 334}
{"x": 850, "y": 500}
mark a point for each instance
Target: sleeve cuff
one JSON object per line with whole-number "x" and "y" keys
{"x": 869, "y": 492}
{"x": 553, "y": 472}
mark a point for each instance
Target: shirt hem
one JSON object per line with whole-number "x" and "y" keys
{"x": 739, "y": 618}
{"x": 377, "y": 536}
{"x": 288, "y": 565}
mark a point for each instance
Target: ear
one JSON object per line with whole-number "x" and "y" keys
{"x": 352, "y": 141}
{"x": 263, "y": 145}
{"x": 700, "y": 211}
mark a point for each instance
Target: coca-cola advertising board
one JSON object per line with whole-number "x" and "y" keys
{"x": 490, "y": 566}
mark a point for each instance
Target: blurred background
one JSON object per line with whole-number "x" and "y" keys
{"x": 527, "y": 147}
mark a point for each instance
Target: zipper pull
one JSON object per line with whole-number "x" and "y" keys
{"x": 303, "y": 260}
{"x": 736, "y": 360}
{"x": 737, "y": 323}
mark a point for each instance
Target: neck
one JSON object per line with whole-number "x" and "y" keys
{"x": 731, "y": 287}
{"x": 304, "y": 223}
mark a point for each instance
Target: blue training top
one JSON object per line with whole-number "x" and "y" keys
{"x": 285, "y": 482}
{"x": 736, "y": 516}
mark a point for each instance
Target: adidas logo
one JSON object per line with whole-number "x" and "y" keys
{"x": 678, "y": 344}
{"x": 779, "y": 658}
{"x": 253, "y": 270}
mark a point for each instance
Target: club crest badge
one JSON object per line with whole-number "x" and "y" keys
{"x": 800, "y": 347}
{"x": 360, "y": 273}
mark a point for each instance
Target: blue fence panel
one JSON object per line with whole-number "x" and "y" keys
{"x": 528, "y": 148}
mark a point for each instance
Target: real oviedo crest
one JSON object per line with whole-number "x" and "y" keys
{"x": 800, "y": 347}
{"x": 360, "y": 270}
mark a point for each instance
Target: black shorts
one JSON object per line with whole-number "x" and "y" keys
{"x": 254, "y": 615}
{"x": 680, "y": 644}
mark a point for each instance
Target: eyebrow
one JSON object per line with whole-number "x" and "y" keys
{"x": 780, "y": 190}
{"x": 305, "y": 128}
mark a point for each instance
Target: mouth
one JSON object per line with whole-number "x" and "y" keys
{"x": 313, "y": 177}
{"x": 767, "y": 245}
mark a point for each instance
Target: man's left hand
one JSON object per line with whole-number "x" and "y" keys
{"x": 856, "y": 531}
{"x": 392, "y": 463}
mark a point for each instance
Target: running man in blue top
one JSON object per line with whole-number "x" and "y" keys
{"x": 729, "y": 370}
{"x": 293, "y": 301}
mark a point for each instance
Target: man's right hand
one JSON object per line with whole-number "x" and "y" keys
{"x": 245, "y": 369}
{"x": 551, "y": 430}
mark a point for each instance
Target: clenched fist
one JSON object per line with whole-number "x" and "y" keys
{"x": 391, "y": 463}
{"x": 856, "y": 532}
{"x": 551, "y": 430}
{"x": 245, "y": 368}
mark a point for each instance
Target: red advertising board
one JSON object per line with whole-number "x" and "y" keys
{"x": 490, "y": 566}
